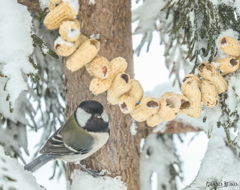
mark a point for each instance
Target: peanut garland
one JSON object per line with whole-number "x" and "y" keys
{"x": 128, "y": 93}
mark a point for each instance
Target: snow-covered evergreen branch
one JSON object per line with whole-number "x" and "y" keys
{"x": 13, "y": 175}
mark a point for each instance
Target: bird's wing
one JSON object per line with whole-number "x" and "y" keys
{"x": 69, "y": 139}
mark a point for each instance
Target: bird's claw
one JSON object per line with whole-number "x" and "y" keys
{"x": 92, "y": 173}
{"x": 96, "y": 174}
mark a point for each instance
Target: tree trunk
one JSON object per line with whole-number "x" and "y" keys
{"x": 120, "y": 156}
{"x": 32, "y": 5}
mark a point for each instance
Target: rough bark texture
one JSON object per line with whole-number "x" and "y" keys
{"x": 120, "y": 156}
{"x": 180, "y": 127}
{"x": 172, "y": 127}
{"x": 32, "y": 5}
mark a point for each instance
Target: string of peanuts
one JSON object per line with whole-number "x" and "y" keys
{"x": 128, "y": 93}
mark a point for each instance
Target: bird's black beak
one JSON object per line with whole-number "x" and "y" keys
{"x": 97, "y": 115}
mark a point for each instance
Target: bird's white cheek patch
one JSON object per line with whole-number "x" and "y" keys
{"x": 82, "y": 117}
{"x": 105, "y": 116}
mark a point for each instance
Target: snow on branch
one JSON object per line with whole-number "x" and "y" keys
{"x": 13, "y": 175}
{"x": 13, "y": 125}
{"x": 159, "y": 163}
{"x": 82, "y": 180}
{"x": 220, "y": 164}
{"x": 226, "y": 114}
{"x": 16, "y": 47}
{"x": 146, "y": 17}
{"x": 43, "y": 4}
{"x": 147, "y": 14}
{"x": 48, "y": 94}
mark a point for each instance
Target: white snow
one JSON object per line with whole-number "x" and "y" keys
{"x": 213, "y": 116}
{"x": 43, "y": 4}
{"x": 45, "y": 49}
{"x": 154, "y": 181}
{"x": 192, "y": 17}
{"x": 219, "y": 164}
{"x": 142, "y": 144}
{"x": 191, "y": 148}
{"x": 82, "y": 180}
{"x": 215, "y": 64}
{"x": 147, "y": 14}
{"x": 92, "y": 2}
{"x": 233, "y": 99}
{"x": 15, "y": 129}
{"x": 95, "y": 36}
{"x": 18, "y": 115}
{"x": 195, "y": 122}
{"x": 234, "y": 4}
{"x": 157, "y": 155}
{"x": 133, "y": 127}
{"x": 13, "y": 175}
{"x": 15, "y": 46}
{"x": 160, "y": 89}
{"x": 73, "y": 34}
{"x": 237, "y": 6}
{"x": 73, "y": 4}
{"x": 61, "y": 41}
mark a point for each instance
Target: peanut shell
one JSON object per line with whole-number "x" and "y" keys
{"x": 99, "y": 67}
{"x": 129, "y": 100}
{"x": 154, "y": 120}
{"x": 58, "y": 15}
{"x": 98, "y": 86}
{"x": 70, "y": 30}
{"x": 51, "y": 6}
{"x": 55, "y": 1}
{"x": 230, "y": 46}
{"x": 209, "y": 72}
{"x": 65, "y": 49}
{"x": 209, "y": 92}
{"x": 170, "y": 105}
{"x": 148, "y": 106}
{"x": 191, "y": 90}
{"x": 227, "y": 65}
{"x": 121, "y": 84}
{"x": 83, "y": 55}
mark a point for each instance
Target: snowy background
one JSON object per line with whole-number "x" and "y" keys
{"x": 220, "y": 161}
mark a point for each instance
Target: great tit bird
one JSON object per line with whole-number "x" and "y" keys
{"x": 85, "y": 132}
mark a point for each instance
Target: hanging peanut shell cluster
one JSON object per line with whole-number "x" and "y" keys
{"x": 79, "y": 49}
{"x": 212, "y": 83}
{"x": 128, "y": 93}
{"x": 108, "y": 76}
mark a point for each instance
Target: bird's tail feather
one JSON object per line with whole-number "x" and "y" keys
{"x": 39, "y": 162}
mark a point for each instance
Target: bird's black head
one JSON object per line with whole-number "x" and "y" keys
{"x": 91, "y": 106}
{"x": 91, "y": 116}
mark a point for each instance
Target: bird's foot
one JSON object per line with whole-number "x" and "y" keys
{"x": 92, "y": 173}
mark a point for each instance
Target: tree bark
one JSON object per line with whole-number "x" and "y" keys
{"x": 173, "y": 127}
{"x": 180, "y": 127}
{"x": 32, "y": 5}
{"x": 120, "y": 156}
